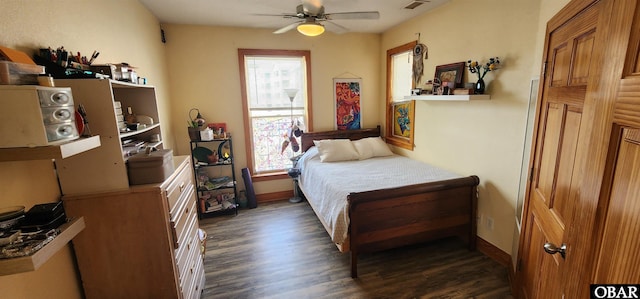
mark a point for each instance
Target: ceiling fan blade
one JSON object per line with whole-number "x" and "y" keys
{"x": 367, "y": 15}
{"x": 335, "y": 28}
{"x": 286, "y": 28}
{"x": 283, "y": 15}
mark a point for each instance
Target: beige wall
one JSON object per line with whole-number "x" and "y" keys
{"x": 484, "y": 138}
{"x": 548, "y": 8}
{"x": 205, "y": 74}
{"x": 123, "y": 31}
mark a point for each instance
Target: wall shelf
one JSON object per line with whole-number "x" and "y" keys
{"x": 472, "y": 97}
{"x": 31, "y": 263}
{"x": 57, "y": 151}
{"x": 136, "y": 132}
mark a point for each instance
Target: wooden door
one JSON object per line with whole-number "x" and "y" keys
{"x": 617, "y": 254}
{"x": 586, "y": 177}
{"x": 555, "y": 180}
{"x": 618, "y": 259}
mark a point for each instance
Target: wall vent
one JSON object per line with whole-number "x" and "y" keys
{"x": 415, "y": 3}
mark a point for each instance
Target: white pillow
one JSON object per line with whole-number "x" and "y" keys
{"x": 365, "y": 151}
{"x": 335, "y": 150}
{"x": 380, "y": 148}
{"x": 372, "y": 147}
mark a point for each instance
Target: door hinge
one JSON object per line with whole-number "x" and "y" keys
{"x": 531, "y": 175}
{"x": 519, "y": 265}
{"x": 544, "y": 69}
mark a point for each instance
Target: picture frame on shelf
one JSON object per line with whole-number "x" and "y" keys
{"x": 219, "y": 129}
{"x": 450, "y": 73}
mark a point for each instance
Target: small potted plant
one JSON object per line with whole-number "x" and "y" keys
{"x": 195, "y": 125}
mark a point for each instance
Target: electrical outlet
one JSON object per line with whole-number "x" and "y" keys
{"x": 490, "y": 223}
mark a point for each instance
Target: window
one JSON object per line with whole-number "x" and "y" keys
{"x": 399, "y": 84}
{"x": 268, "y": 111}
{"x": 401, "y": 74}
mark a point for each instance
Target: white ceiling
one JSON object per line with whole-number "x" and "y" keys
{"x": 241, "y": 13}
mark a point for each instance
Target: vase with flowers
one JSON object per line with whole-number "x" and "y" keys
{"x": 481, "y": 70}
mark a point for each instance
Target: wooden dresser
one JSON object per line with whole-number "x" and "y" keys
{"x": 141, "y": 242}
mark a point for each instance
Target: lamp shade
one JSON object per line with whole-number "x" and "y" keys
{"x": 311, "y": 28}
{"x": 291, "y": 93}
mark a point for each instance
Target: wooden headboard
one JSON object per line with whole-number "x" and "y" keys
{"x": 308, "y": 138}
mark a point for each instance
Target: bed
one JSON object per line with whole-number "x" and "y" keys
{"x": 366, "y": 210}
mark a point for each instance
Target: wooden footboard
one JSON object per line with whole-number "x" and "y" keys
{"x": 390, "y": 218}
{"x": 395, "y": 217}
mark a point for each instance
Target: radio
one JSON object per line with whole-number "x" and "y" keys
{"x": 33, "y": 115}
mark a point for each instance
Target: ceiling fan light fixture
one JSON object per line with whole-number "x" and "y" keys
{"x": 311, "y": 28}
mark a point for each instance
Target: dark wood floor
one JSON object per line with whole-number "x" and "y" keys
{"x": 281, "y": 250}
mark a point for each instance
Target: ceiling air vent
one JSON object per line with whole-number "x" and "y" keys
{"x": 415, "y": 3}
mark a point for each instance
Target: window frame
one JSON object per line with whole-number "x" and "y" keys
{"x": 242, "y": 53}
{"x": 390, "y": 138}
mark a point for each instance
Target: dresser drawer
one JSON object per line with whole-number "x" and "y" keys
{"x": 183, "y": 220}
{"x": 182, "y": 215}
{"x": 196, "y": 281}
{"x": 187, "y": 247}
{"x": 199, "y": 280}
{"x": 191, "y": 276}
{"x": 178, "y": 187}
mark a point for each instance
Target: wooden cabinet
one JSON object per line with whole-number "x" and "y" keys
{"x": 141, "y": 242}
{"x": 105, "y": 168}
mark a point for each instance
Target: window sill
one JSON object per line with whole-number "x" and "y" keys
{"x": 272, "y": 176}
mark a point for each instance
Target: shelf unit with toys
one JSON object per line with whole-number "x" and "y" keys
{"x": 214, "y": 171}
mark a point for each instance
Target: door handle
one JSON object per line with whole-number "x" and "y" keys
{"x": 551, "y": 248}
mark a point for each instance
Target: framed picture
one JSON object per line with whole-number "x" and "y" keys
{"x": 403, "y": 120}
{"x": 450, "y": 73}
{"x": 347, "y": 94}
{"x": 218, "y": 129}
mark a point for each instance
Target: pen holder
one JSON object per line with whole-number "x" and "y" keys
{"x": 59, "y": 72}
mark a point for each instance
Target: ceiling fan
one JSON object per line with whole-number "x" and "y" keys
{"x": 311, "y": 16}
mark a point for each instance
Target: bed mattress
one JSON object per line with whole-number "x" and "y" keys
{"x": 326, "y": 185}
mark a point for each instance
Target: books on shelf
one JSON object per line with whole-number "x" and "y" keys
{"x": 463, "y": 91}
{"x": 217, "y": 202}
{"x": 213, "y": 186}
{"x": 205, "y": 183}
